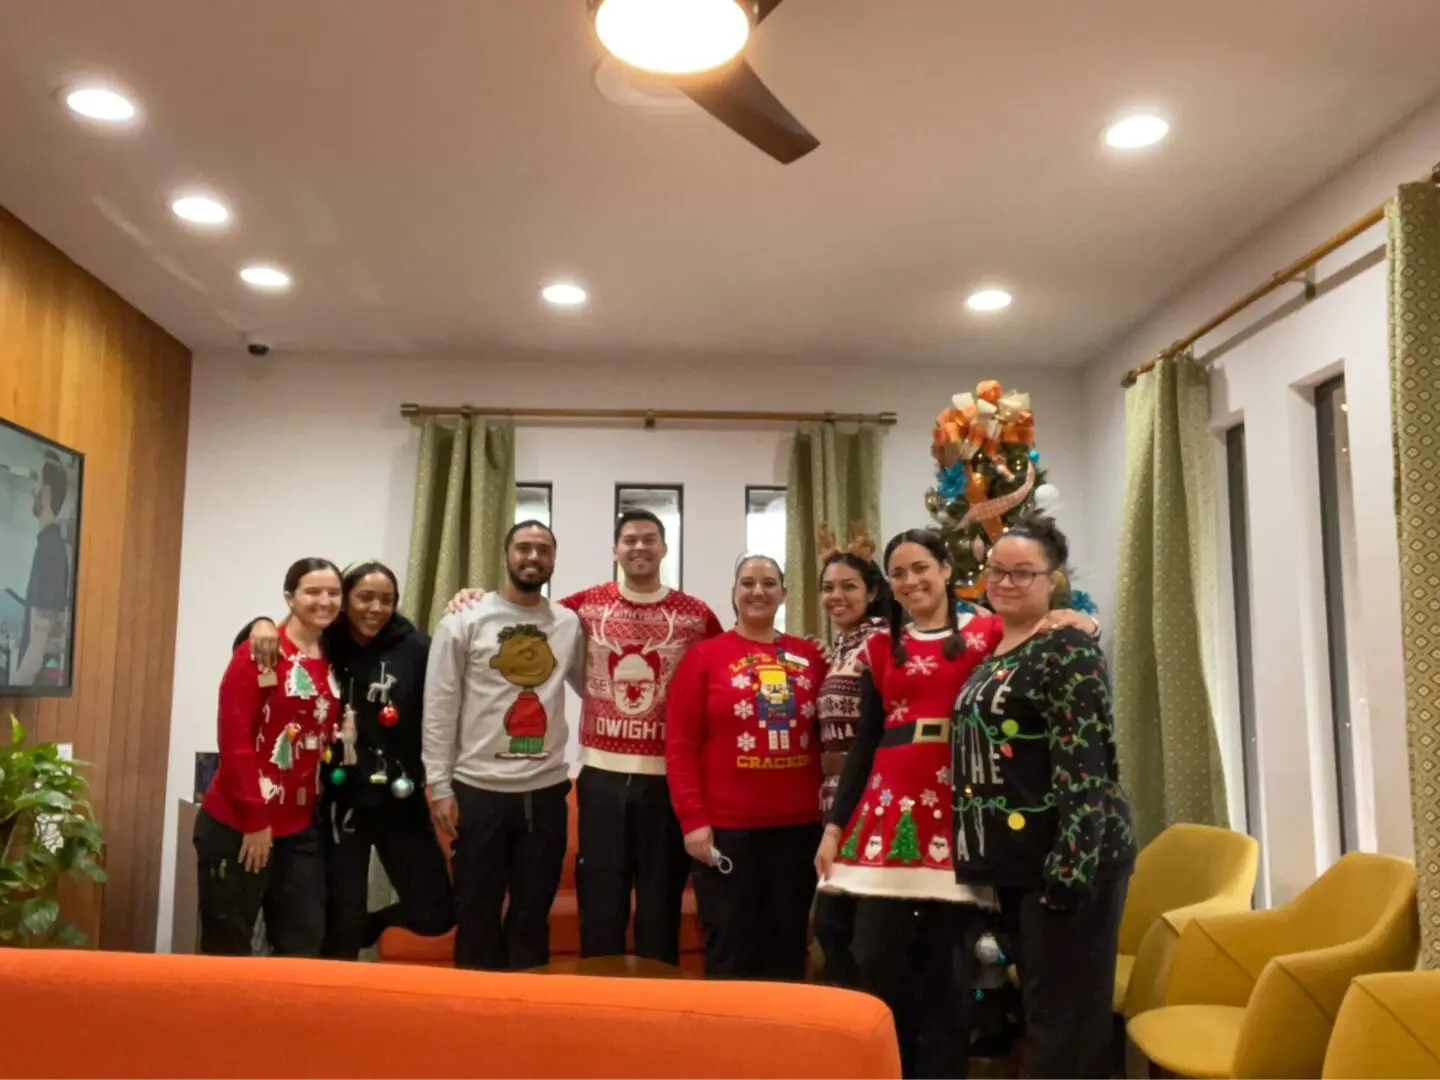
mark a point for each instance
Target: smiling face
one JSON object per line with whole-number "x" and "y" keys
{"x": 524, "y": 657}
{"x": 370, "y": 605}
{"x": 530, "y": 558}
{"x": 758, "y": 591}
{"x": 316, "y": 600}
{"x": 640, "y": 550}
{"x": 844, "y": 596}
{"x": 920, "y": 583}
{"x": 1018, "y": 579}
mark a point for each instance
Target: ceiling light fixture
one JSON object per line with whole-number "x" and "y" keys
{"x": 269, "y": 278}
{"x": 988, "y": 300}
{"x": 564, "y": 294}
{"x": 1136, "y": 132}
{"x": 673, "y": 37}
{"x": 101, "y": 104}
{"x": 200, "y": 210}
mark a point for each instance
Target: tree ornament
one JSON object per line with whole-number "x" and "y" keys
{"x": 349, "y": 735}
{"x": 389, "y": 716}
{"x": 337, "y": 775}
{"x": 381, "y": 774}
{"x": 402, "y": 787}
{"x": 1047, "y": 497}
{"x": 298, "y": 682}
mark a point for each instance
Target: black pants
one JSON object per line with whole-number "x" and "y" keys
{"x": 401, "y": 832}
{"x": 290, "y": 889}
{"x": 630, "y": 841}
{"x": 757, "y": 917}
{"x": 1067, "y": 978}
{"x": 835, "y": 931}
{"x": 508, "y": 843}
{"x": 917, "y": 956}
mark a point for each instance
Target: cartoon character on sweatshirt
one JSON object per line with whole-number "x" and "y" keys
{"x": 525, "y": 660}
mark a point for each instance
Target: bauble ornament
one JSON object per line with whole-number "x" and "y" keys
{"x": 389, "y": 716}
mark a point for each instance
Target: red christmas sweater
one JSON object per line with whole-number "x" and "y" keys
{"x": 272, "y": 740}
{"x": 634, "y": 643}
{"x": 894, "y": 798}
{"x": 742, "y": 743}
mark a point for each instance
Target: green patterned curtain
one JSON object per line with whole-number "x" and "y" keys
{"x": 1169, "y": 753}
{"x": 464, "y": 504}
{"x": 834, "y": 481}
{"x": 1414, "y": 249}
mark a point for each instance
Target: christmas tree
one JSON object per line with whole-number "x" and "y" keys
{"x": 299, "y": 683}
{"x": 283, "y": 756}
{"x": 906, "y": 845}
{"x": 851, "y": 850}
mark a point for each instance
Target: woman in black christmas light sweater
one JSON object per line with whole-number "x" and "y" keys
{"x": 1039, "y": 811}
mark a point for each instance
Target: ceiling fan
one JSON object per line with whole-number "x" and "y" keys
{"x": 699, "y": 44}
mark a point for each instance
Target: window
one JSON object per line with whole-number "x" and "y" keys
{"x": 1337, "y": 536}
{"x": 1245, "y": 659}
{"x": 666, "y": 502}
{"x": 765, "y": 528}
{"x": 533, "y": 500}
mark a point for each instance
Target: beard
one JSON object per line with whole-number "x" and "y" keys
{"x": 531, "y": 584}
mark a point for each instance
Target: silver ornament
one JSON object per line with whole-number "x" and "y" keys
{"x": 402, "y": 787}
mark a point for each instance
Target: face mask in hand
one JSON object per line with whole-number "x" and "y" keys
{"x": 720, "y": 862}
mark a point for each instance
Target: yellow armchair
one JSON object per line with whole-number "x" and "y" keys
{"x": 1186, "y": 872}
{"x": 1388, "y": 1029}
{"x": 1255, "y": 994}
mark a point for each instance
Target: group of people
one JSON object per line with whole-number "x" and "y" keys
{"x": 928, "y": 770}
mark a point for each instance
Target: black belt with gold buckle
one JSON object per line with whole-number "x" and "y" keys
{"x": 917, "y": 731}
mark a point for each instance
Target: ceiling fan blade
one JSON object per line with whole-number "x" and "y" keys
{"x": 763, "y": 8}
{"x": 738, "y": 99}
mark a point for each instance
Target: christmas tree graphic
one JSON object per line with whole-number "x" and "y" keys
{"x": 298, "y": 683}
{"x": 283, "y": 756}
{"x": 851, "y": 850}
{"x": 906, "y": 845}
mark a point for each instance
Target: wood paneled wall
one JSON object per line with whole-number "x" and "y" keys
{"x": 81, "y": 366}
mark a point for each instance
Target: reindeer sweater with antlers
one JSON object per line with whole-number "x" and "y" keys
{"x": 635, "y": 642}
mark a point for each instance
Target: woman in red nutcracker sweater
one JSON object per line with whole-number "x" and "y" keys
{"x": 742, "y": 751}
{"x": 256, "y": 835}
{"x": 889, "y": 833}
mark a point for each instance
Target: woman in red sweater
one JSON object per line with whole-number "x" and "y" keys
{"x": 256, "y": 836}
{"x": 742, "y": 750}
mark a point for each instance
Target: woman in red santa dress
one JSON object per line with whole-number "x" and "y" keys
{"x": 888, "y": 837}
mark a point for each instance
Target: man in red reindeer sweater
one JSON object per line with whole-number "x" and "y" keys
{"x": 630, "y": 841}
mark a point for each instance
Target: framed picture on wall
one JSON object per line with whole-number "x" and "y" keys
{"x": 666, "y": 502}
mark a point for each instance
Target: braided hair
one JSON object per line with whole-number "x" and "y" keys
{"x": 930, "y": 540}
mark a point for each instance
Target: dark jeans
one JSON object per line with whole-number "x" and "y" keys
{"x": 757, "y": 917}
{"x": 290, "y": 889}
{"x": 401, "y": 833}
{"x": 1067, "y": 978}
{"x": 917, "y": 956}
{"x": 630, "y": 841}
{"x": 835, "y": 931}
{"x": 508, "y": 843}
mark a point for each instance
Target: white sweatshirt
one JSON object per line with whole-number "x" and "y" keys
{"x": 495, "y": 696}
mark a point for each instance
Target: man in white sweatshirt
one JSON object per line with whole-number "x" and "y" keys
{"x": 494, "y": 751}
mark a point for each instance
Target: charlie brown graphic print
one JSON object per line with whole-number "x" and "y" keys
{"x": 526, "y": 661}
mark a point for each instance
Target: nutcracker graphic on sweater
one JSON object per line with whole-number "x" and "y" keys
{"x": 898, "y": 840}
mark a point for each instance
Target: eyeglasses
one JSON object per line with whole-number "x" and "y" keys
{"x": 1021, "y": 579}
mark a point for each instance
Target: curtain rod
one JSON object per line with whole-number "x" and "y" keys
{"x": 1299, "y": 269}
{"x": 649, "y": 416}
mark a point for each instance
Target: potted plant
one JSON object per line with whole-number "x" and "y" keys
{"x": 47, "y": 831}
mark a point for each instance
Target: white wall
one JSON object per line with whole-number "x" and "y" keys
{"x": 309, "y": 456}
{"x": 1265, "y": 364}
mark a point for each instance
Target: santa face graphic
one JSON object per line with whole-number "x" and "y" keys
{"x": 634, "y": 681}
{"x": 873, "y": 847}
{"x": 939, "y": 850}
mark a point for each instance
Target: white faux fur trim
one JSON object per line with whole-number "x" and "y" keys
{"x": 906, "y": 883}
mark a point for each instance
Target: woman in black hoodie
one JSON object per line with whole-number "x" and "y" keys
{"x": 374, "y": 781}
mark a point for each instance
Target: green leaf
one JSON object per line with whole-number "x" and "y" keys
{"x": 92, "y": 870}
{"x": 69, "y": 936}
{"x": 38, "y": 916}
{"x": 17, "y": 733}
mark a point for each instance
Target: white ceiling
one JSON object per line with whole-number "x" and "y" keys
{"x": 422, "y": 168}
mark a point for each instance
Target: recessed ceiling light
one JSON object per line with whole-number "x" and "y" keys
{"x": 201, "y": 210}
{"x": 269, "y": 278}
{"x": 674, "y": 37}
{"x": 988, "y": 300}
{"x": 1136, "y": 132}
{"x": 564, "y": 294}
{"x": 99, "y": 103}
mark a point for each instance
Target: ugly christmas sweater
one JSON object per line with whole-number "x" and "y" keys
{"x": 894, "y": 799}
{"x": 273, "y": 730}
{"x": 839, "y": 704}
{"x": 741, "y": 744}
{"x": 635, "y": 642}
{"x": 1038, "y": 802}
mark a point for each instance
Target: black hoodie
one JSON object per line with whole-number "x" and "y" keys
{"x": 399, "y": 652}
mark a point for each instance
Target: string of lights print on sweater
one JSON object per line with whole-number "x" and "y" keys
{"x": 1038, "y": 801}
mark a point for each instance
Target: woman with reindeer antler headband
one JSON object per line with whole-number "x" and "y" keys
{"x": 856, "y": 597}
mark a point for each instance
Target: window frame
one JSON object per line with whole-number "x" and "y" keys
{"x": 1237, "y": 496}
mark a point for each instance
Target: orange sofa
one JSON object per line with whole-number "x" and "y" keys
{"x": 401, "y": 946}
{"x": 96, "y": 1014}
